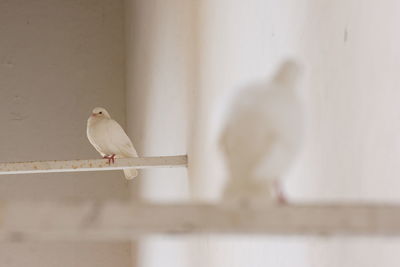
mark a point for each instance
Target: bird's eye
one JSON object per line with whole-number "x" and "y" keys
{"x": 100, "y": 112}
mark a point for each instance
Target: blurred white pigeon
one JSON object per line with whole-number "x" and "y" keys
{"x": 109, "y": 139}
{"x": 262, "y": 135}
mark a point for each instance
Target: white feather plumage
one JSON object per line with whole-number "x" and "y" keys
{"x": 261, "y": 136}
{"x": 108, "y": 138}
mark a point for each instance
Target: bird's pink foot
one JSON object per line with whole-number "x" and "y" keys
{"x": 110, "y": 158}
{"x": 282, "y": 199}
{"x": 280, "y": 195}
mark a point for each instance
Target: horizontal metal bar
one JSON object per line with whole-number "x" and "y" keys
{"x": 92, "y": 165}
{"x": 121, "y": 221}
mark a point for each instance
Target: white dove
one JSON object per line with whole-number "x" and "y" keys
{"x": 262, "y": 135}
{"x": 109, "y": 139}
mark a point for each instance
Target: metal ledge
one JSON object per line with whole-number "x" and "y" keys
{"x": 92, "y": 165}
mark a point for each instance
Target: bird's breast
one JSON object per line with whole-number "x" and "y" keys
{"x": 99, "y": 137}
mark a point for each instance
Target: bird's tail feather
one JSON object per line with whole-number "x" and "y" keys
{"x": 130, "y": 173}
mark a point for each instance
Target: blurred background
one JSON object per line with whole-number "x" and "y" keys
{"x": 163, "y": 69}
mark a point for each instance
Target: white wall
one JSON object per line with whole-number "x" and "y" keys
{"x": 350, "y": 51}
{"x": 353, "y": 59}
{"x": 58, "y": 60}
{"x": 240, "y": 42}
{"x": 159, "y": 79}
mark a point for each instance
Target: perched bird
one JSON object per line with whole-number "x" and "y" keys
{"x": 261, "y": 136}
{"x": 109, "y": 139}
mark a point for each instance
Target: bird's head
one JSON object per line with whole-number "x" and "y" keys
{"x": 288, "y": 73}
{"x": 100, "y": 113}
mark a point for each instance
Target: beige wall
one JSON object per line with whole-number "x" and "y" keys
{"x": 56, "y": 254}
{"x": 59, "y": 59}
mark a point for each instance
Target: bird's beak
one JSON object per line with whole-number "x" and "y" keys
{"x": 93, "y": 114}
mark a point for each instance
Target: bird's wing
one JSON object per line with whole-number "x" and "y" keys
{"x": 120, "y": 140}
{"x": 92, "y": 140}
